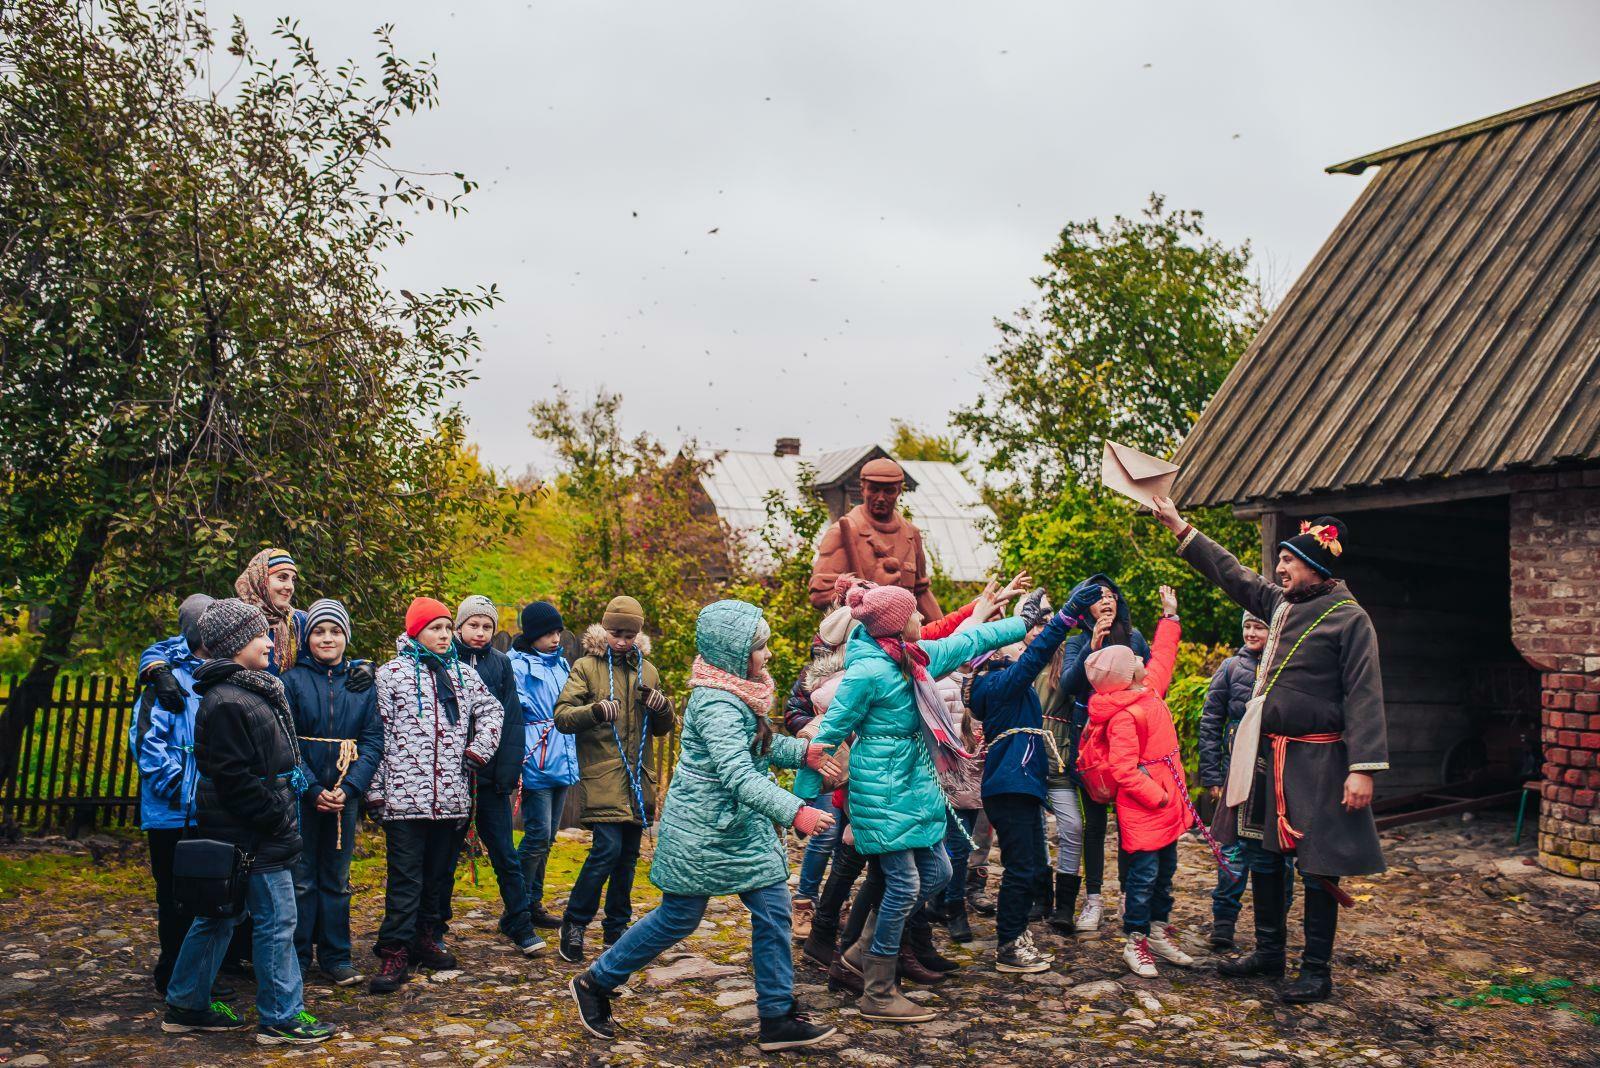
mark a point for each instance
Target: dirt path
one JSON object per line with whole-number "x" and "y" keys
{"x": 1458, "y": 917}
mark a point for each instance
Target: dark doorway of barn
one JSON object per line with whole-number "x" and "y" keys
{"x": 1463, "y": 705}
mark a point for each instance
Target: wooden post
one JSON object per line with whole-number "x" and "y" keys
{"x": 1274, "y": 528}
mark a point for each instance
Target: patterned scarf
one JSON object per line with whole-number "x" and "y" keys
{"x": 1310, "y": 593}
{"x": 756, "y": 693}
{"x": 940, "y": 731}
{"x": 251, "y": 586}
{"x": 270, "y": 687}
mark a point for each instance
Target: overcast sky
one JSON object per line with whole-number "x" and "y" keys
{"x": 882, "y": 178}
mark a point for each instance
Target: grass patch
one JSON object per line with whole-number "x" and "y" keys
{"x": 69, "y": 875}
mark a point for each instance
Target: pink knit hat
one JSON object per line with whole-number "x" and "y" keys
{"x": 1112, "y": 668}
{"x": 883, "y": 610}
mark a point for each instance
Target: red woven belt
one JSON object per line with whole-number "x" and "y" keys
{"x": 1287, "y": 835}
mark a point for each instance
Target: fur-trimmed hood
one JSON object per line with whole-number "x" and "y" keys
{"x": 825, "y": 664}
{"x": 595, "y": 641}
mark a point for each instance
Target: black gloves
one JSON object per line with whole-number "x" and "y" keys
{"x": 360, "y": 677}
{"x": 169, "y": 691}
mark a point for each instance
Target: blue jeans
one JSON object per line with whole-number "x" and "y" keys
{"x": 322, "y": 886}
{"x": 279, "y": 995}
{"x": 494, "y": 831}
{"x": 818, "y": 849}
{"x": 676, "y": 918}
{"x": 1147, "y": 888}
{"x": 1247, "y": 855}
{"x": 910, "y": 877}
{"x": 956, "y": 848}
{"x": 541, "y": 818}
{"x": 613, "y": 856}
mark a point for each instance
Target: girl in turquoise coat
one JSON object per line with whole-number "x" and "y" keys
{"x": 902, "y": 728}
{"x": 720, "y": 829}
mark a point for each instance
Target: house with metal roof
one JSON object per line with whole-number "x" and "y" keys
{"x": 1433, "y": 378}
{"x": 944, "y": 505}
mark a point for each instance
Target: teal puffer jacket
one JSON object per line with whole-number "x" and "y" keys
{"x": 720, "y": 825}
{"x": 895, "y": 800}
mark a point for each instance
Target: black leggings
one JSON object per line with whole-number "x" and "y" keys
{"x": 1095, "y": 816}
{"x": 867, "y": 899}
{"x": 845, "y": 867}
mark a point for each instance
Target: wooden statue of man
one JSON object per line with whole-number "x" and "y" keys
{"x": 874, "y": 541}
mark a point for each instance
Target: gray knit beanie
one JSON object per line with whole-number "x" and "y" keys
{"x": 477, "y": 605}
{"x": 189, "y": 612}
{"x": 229, "y": 625}
{"x": 1249, "y": 616}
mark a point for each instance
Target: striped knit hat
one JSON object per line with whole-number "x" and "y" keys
{"x": 326, "y": 610}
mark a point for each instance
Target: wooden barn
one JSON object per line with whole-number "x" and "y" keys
{"x": 1433, "y": 378}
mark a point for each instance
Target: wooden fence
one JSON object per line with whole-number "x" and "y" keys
{"x": 74, "y": 769}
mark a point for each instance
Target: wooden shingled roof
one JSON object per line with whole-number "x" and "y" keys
{"x": 1449, "y": 327}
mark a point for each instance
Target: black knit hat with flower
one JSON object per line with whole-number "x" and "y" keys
{"x": 1320, "y": 544}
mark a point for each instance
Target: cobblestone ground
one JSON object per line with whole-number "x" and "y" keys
{"x": 1460, "y": 917}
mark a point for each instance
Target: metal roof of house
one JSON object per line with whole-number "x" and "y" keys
{"x": 1449, "y": 326}
{"x": 944, "y": 504}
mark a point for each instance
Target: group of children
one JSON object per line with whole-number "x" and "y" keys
{"x": 909, "y": 739}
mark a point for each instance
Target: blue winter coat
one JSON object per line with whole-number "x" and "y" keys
{"x": 162, "y": 742}
{"x": 1004, "y": 699}
{"x": 1071, "y": 699}
{"x": 550, "y": 757}
{"x": 1226, "y": 697}
{"x": 895, "y": 799}
{"x": 324, "y": 708}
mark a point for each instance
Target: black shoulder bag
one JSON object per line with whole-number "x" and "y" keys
{"x": 209, "y": 878}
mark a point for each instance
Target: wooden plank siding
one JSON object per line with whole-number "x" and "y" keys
{"x": 1448, "y": 328}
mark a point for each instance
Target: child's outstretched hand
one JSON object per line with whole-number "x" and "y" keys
{"x": 1015, "y": 588}
{"x": 1169, "y": 601}
{"x": 809, "y": 821}
{"x": 818, "y": 759}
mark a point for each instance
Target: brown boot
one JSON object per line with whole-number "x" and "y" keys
{"x": 882, "y": 1000}
{"x": 843, "y": 978}
{"x": 910, "y": 968}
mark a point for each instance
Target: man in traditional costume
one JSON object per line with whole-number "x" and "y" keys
{"x": 875, "y": 542}
{"x": 1300, "y": 777}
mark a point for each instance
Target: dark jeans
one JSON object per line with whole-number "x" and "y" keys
{"x": 494, "y": 831}
{"x": 613, "y": 856}
{"x": 1147, "y": 888}
{"x": 1016, "y": 825}
{"x": 1246, "y": 856}
{"x": 955, "y": 844}
{"x": 172, "y": 922}
{"x": 541, "y": 818}
{"x": 322, "y": 886}
{"x": 1095, "y": 818}
{"x": 843, "y": 871}
{"x": 422, "y": 873}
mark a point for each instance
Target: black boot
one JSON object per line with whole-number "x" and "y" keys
{"x": 919, "y": 933}
{"x": 1222, "y": 934}
{"x": 1043, "y": 897}
{"x": 1065, "y": 914}
{"x": 958, "y": 927}
{"x": 1267, "y": 959}
{"x": 978, "y": 898}
{"x": 1315, "y": 982}
{"x": 823, "y": 942}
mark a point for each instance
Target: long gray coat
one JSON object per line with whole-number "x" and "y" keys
{"x": 1332, "y": 684}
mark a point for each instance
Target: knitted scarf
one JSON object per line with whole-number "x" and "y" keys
{"x": 439, "y": 666}
{"x": 941, "y": 734}
{"x": 756, "y": 693}
{"x": 251, "y": 586}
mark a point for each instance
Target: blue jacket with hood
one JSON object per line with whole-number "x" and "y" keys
{"x": 163, "y": 742}
{"x": 550, "y": 757}
{"x": 1069, "y": 705}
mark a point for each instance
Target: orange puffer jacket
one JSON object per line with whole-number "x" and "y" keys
{"x": 1151, "y": 813}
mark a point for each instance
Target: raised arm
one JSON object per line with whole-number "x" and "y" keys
{"x": 1019, "y": 676}
{"x": 947, "y": 654}
{"x": 1163, "y": 656}
{"x": 1245, "y": 587}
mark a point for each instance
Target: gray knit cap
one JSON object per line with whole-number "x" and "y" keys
{"x": 1248, "y": 616}
{"x": 477, "y": 605}
{"x": 229, "y": 625}
{"x": 189, "y": 612}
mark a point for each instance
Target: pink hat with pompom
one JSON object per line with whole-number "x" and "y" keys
{"x": 883, "y": 610}
{"x": 1112, "y": 668}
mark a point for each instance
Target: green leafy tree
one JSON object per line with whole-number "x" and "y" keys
{"x": 910, "y": 442}
{"x": 200, "y": 354}
{"x": 1134, "y": 326}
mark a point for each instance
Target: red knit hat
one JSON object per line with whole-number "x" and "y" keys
{"x": 423, "y": 610}
{"x": 883, "y": 610}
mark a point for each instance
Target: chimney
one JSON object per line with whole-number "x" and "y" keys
{"x": 787, "y": 447}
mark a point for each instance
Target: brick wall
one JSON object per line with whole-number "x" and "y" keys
{"x": 1555, "y": 624}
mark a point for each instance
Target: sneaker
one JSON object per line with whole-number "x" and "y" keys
{"x": 571, "y": 943}
{"x": 791, "y": 1032}
{"x": 594, "y": 1005}
{"x": 804, "y": 912}
{"x": 611, "y": 938}
{"x": 393, "y": 968}
{"x": 531, "y": 945}
{"x": 1019, "y": 956}
{"x": 431, "y": 954}
{"x": 304, "y": 1030}
{"x": 1140, "y": 961}
{"x": 1044, "y": 955}
{"x": 542, "y": 919}
{"x": 1091, "y": 915}
{"x": 1162, "y": 942}
{"x": 217, "y": 1016}
{"x": 342, "y": 975}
